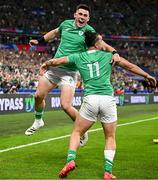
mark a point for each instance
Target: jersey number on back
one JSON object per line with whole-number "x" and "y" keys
{"x": 93, "y": 68}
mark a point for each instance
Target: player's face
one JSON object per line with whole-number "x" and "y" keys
{"x": 99, "y": 43}
{"x": 81, "y": 17}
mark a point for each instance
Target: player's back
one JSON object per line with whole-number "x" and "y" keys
{"x": 95, "y": 69}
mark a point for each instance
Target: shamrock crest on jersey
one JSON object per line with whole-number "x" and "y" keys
{"x": 80, "y": 33}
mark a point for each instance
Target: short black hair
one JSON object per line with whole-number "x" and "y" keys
{"x": 90, "y": 38}
{"x": 83, "y": 6}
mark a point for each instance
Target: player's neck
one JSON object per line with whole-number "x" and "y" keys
{"x": 92, "y": 48}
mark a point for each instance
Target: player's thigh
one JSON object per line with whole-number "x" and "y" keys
{"x": 67, "y": 86}
{"x": 107, "y": 109}
{"x": 44, "y": 86}
{"x": 67, "y": 94}
{"x": 82, "y": 124}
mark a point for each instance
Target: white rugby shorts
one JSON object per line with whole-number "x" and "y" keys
{"x": 100, "y": 107}
{"x": 61, "y": 76}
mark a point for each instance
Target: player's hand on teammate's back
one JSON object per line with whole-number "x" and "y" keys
{"x": 33, "y": 42}
{"x": 116, "y": 58}
{"x": 43, "y": 69}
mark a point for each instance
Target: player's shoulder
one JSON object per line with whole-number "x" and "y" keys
{"x": 106, "y": 53}
{"x": 75, "y": 54}
{"x": 89, "y": 28}
{"x": 68, "y": 21}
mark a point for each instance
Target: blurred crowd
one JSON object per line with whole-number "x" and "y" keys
{"x": 119, "y": 17}
{"x": 145, "y": 56}
{"x": 20, "y": 70}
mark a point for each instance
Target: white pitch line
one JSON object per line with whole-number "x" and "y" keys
{"x": 68, "y": 135}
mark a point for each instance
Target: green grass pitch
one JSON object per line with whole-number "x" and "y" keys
{"x": 136, "y": 156}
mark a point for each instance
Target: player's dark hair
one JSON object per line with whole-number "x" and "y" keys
{"x": 83, "y": 6}
{"x": 90, "y": 38}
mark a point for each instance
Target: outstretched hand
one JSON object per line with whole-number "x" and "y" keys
{"x": 43, "y": 69}
{"x": 116, "y": 58}
{"x": 151, "y": 81}
{"x": 33, "y": 42}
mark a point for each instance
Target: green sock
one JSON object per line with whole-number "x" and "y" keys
{"x": 108, "y": 165}
{"x": 38, "y": 113}
{"x": 71, "y": 155}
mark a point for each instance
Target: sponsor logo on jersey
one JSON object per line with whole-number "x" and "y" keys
{"x": 67, "y": 29}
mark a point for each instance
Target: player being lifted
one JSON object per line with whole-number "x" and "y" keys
{"x": 72, "y": 41}
{"x": 95, "y": 67}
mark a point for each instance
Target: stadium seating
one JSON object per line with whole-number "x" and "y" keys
{"x": 114, "y": 17}
{"x": 32, "y": 20}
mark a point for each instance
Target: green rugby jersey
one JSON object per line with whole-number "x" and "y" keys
{"x": 95, "y": 69}
{"x": 72, "y": 40}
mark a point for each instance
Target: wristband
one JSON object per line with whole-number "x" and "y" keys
{"x": 114, "y": 52}
{"x": 41, "y": 40}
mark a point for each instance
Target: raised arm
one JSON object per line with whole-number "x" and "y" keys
{"x": 136, "y": 70}
{"x": 49, "y": 36}
{"x": 108, "y": 48}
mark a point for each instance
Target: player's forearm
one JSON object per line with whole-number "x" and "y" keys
{"x": 107, "y": 47}
{"x": 56, "y": 61}
{"x": 133, "y": 68}
{"x": 51, "y": 35}
{"x": 137, "y": 70}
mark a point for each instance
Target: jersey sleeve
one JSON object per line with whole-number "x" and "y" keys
{"x": 72, "y": 59}
{"x": 61, "y": 26}
{"x": 90, "y": 28}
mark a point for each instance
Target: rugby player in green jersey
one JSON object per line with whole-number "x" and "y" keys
{"x": 95, "y": 67}
{"x": 72, "y": 41}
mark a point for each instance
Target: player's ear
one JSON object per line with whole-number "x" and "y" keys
{"x": 98, "y": 46}
{"x": 95, "y": 45}
{"x": 75, "y": 15}
{"x": 88, "y": 19}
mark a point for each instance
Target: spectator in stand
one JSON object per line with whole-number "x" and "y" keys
{"x": 138, "y": 18}
{"x": 16, "y": 69}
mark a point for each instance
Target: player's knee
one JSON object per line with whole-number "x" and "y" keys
{"x": 110, "y": 135}
{"x": 77, "y": 132}
{"x": 39, "y": 96}
{"x": 65, "y": 105}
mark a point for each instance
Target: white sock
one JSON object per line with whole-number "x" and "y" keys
{"x": 37, "y": 123}
{"x": 109, "y": 154}
{"x": 38, "y": 120}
